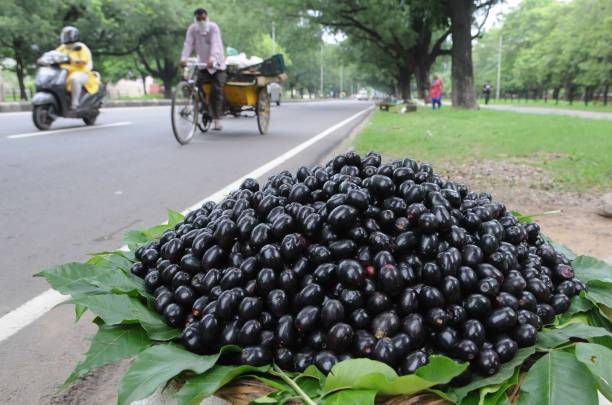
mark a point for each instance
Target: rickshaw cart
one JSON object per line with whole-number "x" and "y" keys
{"x": 244, "y": 91}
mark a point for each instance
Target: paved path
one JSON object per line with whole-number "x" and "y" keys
{"x": 74, "y": 191}
{"x": 550, "y": 111}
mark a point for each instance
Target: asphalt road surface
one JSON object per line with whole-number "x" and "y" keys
{"x": 74, "y": 191}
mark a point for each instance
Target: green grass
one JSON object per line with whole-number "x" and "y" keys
{"x": 576, "y": 105}
{"x": 584, "y": 146}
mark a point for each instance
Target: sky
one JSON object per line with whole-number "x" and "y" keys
{"x": 496, "y": 13}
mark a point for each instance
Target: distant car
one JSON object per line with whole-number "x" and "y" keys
{"x": 362, "y": 95}
{"x": 275, "y": 91}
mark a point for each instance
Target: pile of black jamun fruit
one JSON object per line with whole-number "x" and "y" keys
{"x": 357, "y": 258}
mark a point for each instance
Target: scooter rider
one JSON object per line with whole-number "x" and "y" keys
{"x": 80, "y": 67}
{"x": 205, "y": 37}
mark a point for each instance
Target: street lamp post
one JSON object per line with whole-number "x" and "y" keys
{"x": 321, "y": 91}
{"x": 273, "y": 39}
{"x": 499, "y": 57}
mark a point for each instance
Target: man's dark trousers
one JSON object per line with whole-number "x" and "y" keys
{"x": 216, "y": 80}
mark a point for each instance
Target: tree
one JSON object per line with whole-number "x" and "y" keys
{"x": 22, "y": 24}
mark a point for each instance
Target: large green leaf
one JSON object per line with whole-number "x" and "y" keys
{"x": 505, "y": 372}
{"x": 110, "y": 344}
{"x": 174, "y": 218}
{"x": 78, "y": 279}
{"x": 134, "y": 238}
{"x": 598, "y": 359}
{"x": 157, "y": 365}
{"x": 117, "y": 259}
{"x": 558, "y": 378}
{"x": 579, "y": 305}
{"x": 72, "y": 278}
{"x": 600, "y": 292}
{"x": 365, "y": 374}
{"x": 204, "y": 385}
{"x": 554, "y": 337}
{"x": 588, "y": 269}
{"x": 361, "y": 397}
{"x": 117, "y": 309}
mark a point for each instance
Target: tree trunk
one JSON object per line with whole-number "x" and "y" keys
{"x": 570, "y": 93}
{"x": 19, "y": 70}
{"x": 167, "y": 86}
{"x": 422, "y": 80}
{"x": 143, "y": 76}
{"x": 462, "y": 69}
{"x": 555, "y": 94}
{"x": 404, "y": 83}
{"x": 605, "y": 95}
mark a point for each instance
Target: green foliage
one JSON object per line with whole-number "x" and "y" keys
{"x": 109, "y": 345}
{"x": 129, "y": 328}
{"x": 558, "y": 378}
{"x": 440, "y": 136}
{"x": 549, "y": 44}
{"x": 158, "y": 364}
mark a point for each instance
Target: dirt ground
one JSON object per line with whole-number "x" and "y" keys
{"x": 529, "y": 190}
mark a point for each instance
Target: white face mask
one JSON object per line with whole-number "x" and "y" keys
{"x": 202, "y": 25}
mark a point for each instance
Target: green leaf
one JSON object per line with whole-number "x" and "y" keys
{"x": 600, "y": 292}
{"x": 366, "y": 374}
{"x": 579, "y": 305}
{"x": 589, "y": 269}
{"x": 554, "y": 337}
{"x": 135, "y": 238}
{"x": 276, "y": 384}
{"x": 117, "y": 259}
{"x": 312, "y": 372}
{"x": 157, "y": 365}
{"x": 205, "y": 385}
{"x": 598, "y": 359}
{"x": 558, "y": 378}
{"x": 361, "y": 397}
{"x": 523, "y": 219}
{"x": 174, "y": 217}
{"x": 310, "y": 386}
{"x": 72, "y": 278}
{"x": 78, "y": 279}
{"x": 561, "y": 248}
{"x": 116, "y": 309}
{"x": 111, "y": 344}
{"x": 505, "y": 372}
{"x": 79, "y": 310}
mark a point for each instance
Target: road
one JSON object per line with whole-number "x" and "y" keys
{"x": 77, "y": 190}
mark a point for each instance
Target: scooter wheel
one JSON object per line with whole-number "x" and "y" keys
{"x": 91, "y": 119}
{"x": 41, "y": 116}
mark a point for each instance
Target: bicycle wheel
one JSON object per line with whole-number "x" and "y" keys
{"x": 184, "y": 112}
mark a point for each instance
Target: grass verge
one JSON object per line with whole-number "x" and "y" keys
{"x": 577, "y": 152}
{"x": 576, "y": 105}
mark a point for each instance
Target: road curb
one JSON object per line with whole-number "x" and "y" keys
{"x": 20, "y": 106}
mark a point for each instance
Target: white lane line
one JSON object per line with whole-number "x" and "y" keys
{"x": 29, "y": 312}
{"x": 56, "y": 131}
{"x": 24, "y": 315}
{"x": 70, "y": 129}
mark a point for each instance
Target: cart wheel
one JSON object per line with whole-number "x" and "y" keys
{"x": 184, "y": 112}
{"x": 263, "y": 110}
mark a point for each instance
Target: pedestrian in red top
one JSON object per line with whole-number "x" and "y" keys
{"x": 435, "y": 93}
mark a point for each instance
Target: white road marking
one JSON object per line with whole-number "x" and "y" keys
{"x": 75, "y": 129}
{"x": 29, "y": 312}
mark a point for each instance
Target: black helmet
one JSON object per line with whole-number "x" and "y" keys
{"x": 69, "y": 35}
